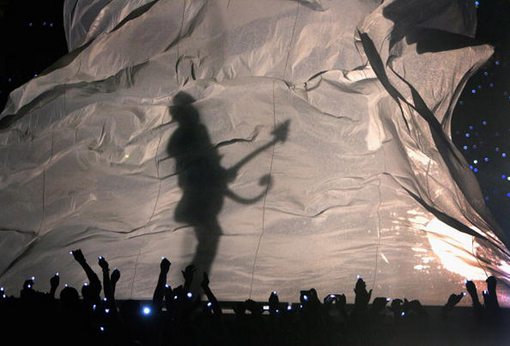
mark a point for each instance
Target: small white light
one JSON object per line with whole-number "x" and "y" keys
{"x": 464, "y": 293}
{"x": 167, "y": 285}
{"x": 289, "y": 307}
{"x": 163, "y": 257}
{"x": 358, "y": 276}
{"x": 175, "y": 297}
{"x": 265, "y": 307}
{"x": 101, "y": 328}
{"x": 209, "y": 304}
{"x": 388, "y": 300}
{"x": 189, "y": 294}
{"x": 33, "y": 278}
{"x": 94, "y": 307}
{"x": 70, "y": 252}
{"x": 277, "y": 311}
{"x": 65, "y": 285}
{"x": 85, "y": 284}
{"x": 332, "y": 296}
{"x": 29, "y": 286}
{"x": 305, "y": 297}
{"x": 56, "y": 274}
{"x": 146, "y": 310}
{"x": 402, "y": 314}
{"x": 104, "y": 299}
{"x": 107, "y": 310}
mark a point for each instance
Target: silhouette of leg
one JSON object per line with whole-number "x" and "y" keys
{"x": 208, "y": 236}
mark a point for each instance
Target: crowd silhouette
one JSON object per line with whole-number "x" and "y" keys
{"x": 176, "y": 316}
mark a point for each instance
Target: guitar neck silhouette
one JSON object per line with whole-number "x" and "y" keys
{"x": 280, "y": 135}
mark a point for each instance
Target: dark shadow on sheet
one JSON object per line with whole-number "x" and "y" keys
{"x": 202, "y": 179}
{"x": 408, "y": 17}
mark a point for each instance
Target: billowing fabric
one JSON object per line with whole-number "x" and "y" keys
{"x": 278, "y": 145}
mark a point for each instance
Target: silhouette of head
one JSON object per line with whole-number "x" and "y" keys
{"x": 182, "y": 110}
{"x": 69, "y": 297}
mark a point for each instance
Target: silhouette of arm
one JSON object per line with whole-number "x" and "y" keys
{"x": 91, "y": 275}
{"x": 114, "y": 278}
{"x": 471, "y": 288}
{"x": 54, "y": 282}
{"x": 453, "y": 300}
{"x": 188, "y": 274}
{"x": 107, "y": 285}
{"x": 159, "y": 291}
{"x": 490, "y": 296}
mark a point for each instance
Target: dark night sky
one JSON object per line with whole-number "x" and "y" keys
{"x": 32, "y": 37}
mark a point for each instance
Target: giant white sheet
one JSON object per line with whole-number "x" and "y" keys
{"x": 162, "y": 133}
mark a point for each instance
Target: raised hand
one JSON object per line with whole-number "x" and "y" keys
{"x": 454, "y": 299}
{"x": 491, "y": 298}
{"x": 471, "y": 288}
{"x": 188, "y": 273}
{"x": 103, "y": 264}
{"x": 28, "y": 284}
{"x": 341, "y": 300}
{"x": 78, "y": 256}
{"x": 165, "y": 265}
{"x": 54, "y": 281}
{"x": 281, "y": 131}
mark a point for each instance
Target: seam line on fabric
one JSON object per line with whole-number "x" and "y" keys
{"x": 264, "y": 202}
{"x": 290, "y": 43}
